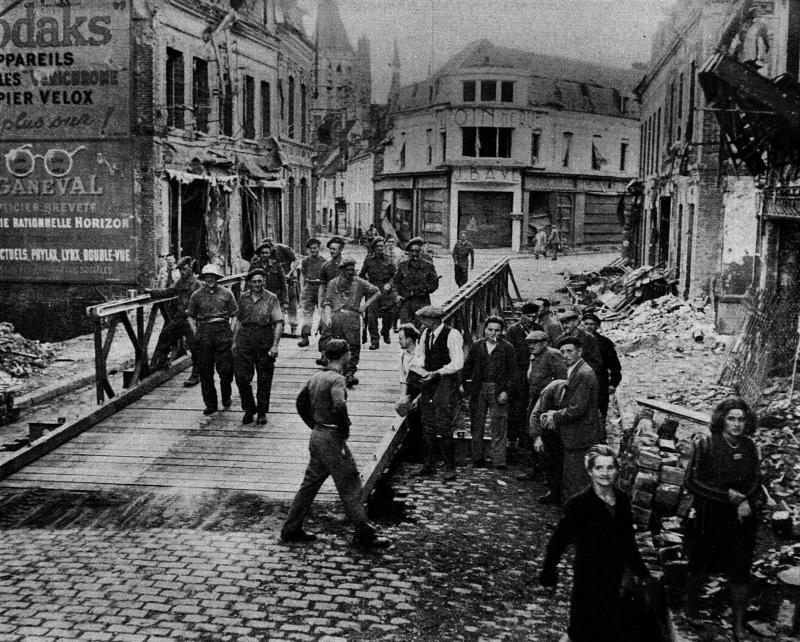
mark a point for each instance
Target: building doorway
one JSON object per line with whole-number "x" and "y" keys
{"x": 486, "y": 217}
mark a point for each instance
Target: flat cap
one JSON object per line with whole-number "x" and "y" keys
{"x": 375, "y": 241}
{"x": 570, "y": 340}
{"x": 336, "y": 349}
{"x": 415, "y": 241}
{"x": 566, "y": 315}
{"x": 335, "y": 239}
{"x": 591, "y": 316}
{"x": 311, "y": 242}
{"x": 184, "y": 262}
{"x": 536, "y": 335}
{"x": 255, "y": 272}
{"x": 431, "y": 312}
{"x": 347, "y": 262}
{"x": 530, "y": 308}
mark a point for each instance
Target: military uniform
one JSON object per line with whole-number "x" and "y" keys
{"x": 379, "y": 270}
{"x": 286, "y": 257}
{"x": 327, "y": 273}
{"x": 254, "y": 338}
{"x": 345, "y": 300}
{"x": 274, "y": 278}
{"x": 462, "y": 253}
{"x": 212, "y": 312}
{"x": 177, "y": 327}
{"x": 414, "y": 281}
{"x": 310, "y": 268}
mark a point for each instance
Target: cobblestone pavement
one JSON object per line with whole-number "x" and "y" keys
{"x": 77, "y": 566}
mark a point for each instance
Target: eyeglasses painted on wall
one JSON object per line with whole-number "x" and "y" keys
{"x": 21, "y": 161}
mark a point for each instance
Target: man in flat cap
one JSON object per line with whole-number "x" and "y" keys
{"x": 274, "y": 277}
{"x": 414, "y": 282}
{"x": 441, "y": 350}
{"x": 256, "y": 335}
{"x": 346, "y": 299}
{"x": 310, "y": 276}
{"x": 378, "y": 269}
{"x": 209, "y": 313}
{"x": 612, "y": 368}
{"x": 177, "y": 326}
{"x": 463, "y": 259}
{"x": 548, "y": 320}
{"x": 328, "y": 272}
{"x": 322, "y": 405}
{"x": 578, "y": 419}
{"x": 571, "y": 321}
{"x": 518, "y": 401}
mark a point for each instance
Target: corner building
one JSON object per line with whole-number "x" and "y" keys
{"x": 499, "y": 142}
{"x": 166, "y": 126}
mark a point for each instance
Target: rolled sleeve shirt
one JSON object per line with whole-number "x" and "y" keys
{"x": 263, "y": 311}
{"x": 342, "y": 296}
{"x": 206, "y": 306}
{"x": 455, "y": 348}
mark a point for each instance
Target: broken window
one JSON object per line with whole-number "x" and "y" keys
{"x": 536, "y": 138}
{"x": 469, "y": 91}
{"x": 486, "y": 142}
{"x": 291, "y": 107}
{"x": 249, "y": 108}
{"x": 566, "y": 147}
{"x": 174, "y": 88}
{"x": 402, "y": 158}
{"x": 597, "y": 158}
{"x": 201, "y": 96}
{"x": 266, "y": 108}
{"x": 226, "y": 107}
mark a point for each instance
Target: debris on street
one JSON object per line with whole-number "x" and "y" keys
{"x": 19, "y": 356}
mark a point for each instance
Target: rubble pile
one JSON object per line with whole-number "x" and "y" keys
{"x": 19, "y": 356}
{"x": 667, "y": 319}
{"x": 617, "y": 287}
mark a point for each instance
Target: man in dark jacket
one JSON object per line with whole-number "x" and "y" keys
{"x": 578, "y": 420}
{"x": 463, "y": 259}
{"x": 518, "y": 396}
{"x": 322, "y": 405}
{"x": 489, "y": 371}
{"x": 177, "y": 327}
{"x": 571, "y": 321}
{"x": 378, "y": 269}
{"x": 274, "y": 277}
{"x": 414, "y": 282}
{"x": 611, "y": 365}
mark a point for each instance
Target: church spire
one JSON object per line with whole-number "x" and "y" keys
{"x": 394, "y": 88}
{"x": 331, "y": 34}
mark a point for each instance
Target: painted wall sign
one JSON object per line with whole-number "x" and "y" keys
{"x": 66, "y": 212}
{"x": 485, "y": 117}
{"x": 483, "y": 174}
{"x": 64, "y": 69}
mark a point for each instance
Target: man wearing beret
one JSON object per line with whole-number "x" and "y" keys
{"x": 342, "y": 309}
{"x": 328, "y": 272}
{"x": 571, "y": 321}
{"x": 378, "y": 269}
{"x": 177, "y": 327}
{"x": 287, "y": 257}
{"x": 441, "y": 350}
{"x": 274, "y": 277}
{"x": 322, "y": 405}
{"x": 414, "y": 282}
{"x": 578, "y": 420}
{"x": 463, "y": 259}
{"x": 256, "y": 335}
{"x": 612, "y": 368}
{"x": 310, "y": 269}
{"x": 518, "y": 401}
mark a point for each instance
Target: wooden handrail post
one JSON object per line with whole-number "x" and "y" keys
{"x": 99, "y": 360}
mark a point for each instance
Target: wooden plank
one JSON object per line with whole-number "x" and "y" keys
{"x": 677, "y": 411}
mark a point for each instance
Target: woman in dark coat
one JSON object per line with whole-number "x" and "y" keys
{"x": 599, "y": 523}
{"x": 725, "y": 479}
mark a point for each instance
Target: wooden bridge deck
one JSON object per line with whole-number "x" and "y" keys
{"x": 163, "y": 441}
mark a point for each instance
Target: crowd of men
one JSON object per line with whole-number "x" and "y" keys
{"x": 541, "y": 385}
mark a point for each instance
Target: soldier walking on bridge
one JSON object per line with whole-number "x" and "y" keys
{"x": 178, "y": 326}
{"x": 310, "y": 268}
{"x": 209, "y": 314}
{"x": 322, "y": 404}
{"x": 463, "y": 259}
{"x": 256, "y": 335}
{"x": 274, "y": 277}
{"x": 378, "y": 269}
{"x": 414, "y": 282}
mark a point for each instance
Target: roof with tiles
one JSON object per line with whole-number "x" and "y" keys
{"x": 556, "y": 83}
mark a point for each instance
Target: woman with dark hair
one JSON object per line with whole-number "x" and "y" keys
{"x": 598, "y": 521}
{"x": 725, "y": 479}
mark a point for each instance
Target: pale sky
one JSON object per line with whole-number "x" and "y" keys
{"x": 428, "y": 32}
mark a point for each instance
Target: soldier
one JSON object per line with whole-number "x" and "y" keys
{"x": 518, "y": 402}
{"x": 413, "y": 282}
{"x": 328, "y": 272}
{"x": 442, "y": 354}
{"x": 256, "y": 335}
{"x": 322, "y": 404}
{"x": 310, "y": 268}
{"x": 274, "y": 278}
{"x": 177, "y": 327}
{"x": 378, "y": 269}
{"x": 209, "y": 312}
{"x": 463, "y": 259}
{"x": 612, "y": 368}
{"x": 342, "y": 309}
{"x": 286, "y": 256}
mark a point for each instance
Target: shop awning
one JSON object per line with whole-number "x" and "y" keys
{"x": 758, "y": 116}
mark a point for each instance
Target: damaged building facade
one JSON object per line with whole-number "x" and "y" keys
{"x": 500, "y": 142}
{"x": 169, "y": 126}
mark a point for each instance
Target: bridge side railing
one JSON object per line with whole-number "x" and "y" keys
{"x": 144, "y": 311}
